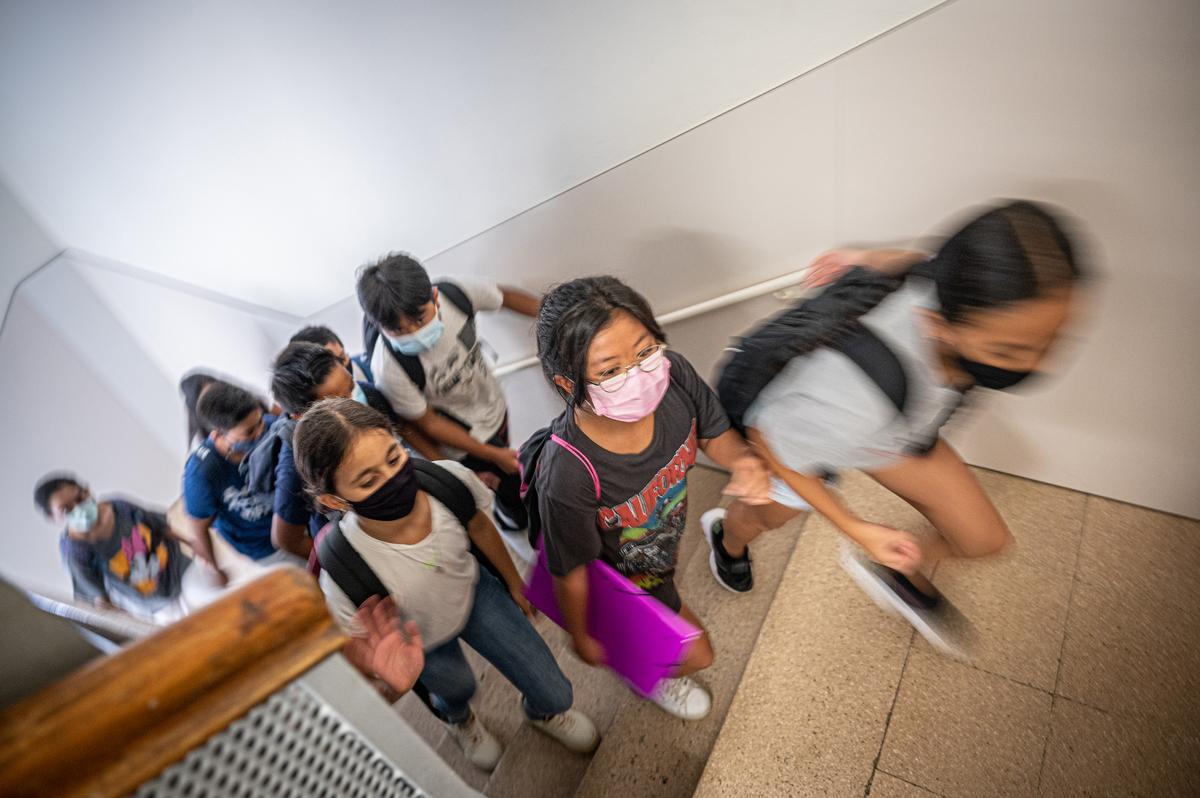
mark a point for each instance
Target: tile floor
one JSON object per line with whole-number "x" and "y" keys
{"x": 1085, "y": 681}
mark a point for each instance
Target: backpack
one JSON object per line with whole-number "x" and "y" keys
{"x": 831, "y": 320}
{"x": 527, "y": 461}
{"x": 350, "y": 572}
{"x": 412, "y": 363}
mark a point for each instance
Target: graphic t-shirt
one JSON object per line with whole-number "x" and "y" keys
{"x": 458, "y": 381}
{"x": 215, "y": 488}
{"x": 636, "y": 524}
{"x": 139, "y": 560}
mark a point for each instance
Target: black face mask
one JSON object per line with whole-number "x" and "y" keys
{"x": 993, "y": 377}
{"x": 394, "y": 499}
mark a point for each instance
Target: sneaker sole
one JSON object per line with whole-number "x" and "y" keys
{"x": 888, "y": 601}
{"x": 712, "y": 559}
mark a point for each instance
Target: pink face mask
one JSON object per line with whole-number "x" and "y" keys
{"x": 637, "y": 398}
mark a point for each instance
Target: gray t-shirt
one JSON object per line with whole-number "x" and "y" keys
{"x": 433, "y": 581}
{"x": 823, "y": 413}
{"x": 458, "y": 381}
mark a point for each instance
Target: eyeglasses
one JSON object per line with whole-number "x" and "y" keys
{"x": 649, "y": 359}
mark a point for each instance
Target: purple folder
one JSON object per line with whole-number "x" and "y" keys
{"x": 644, "y": 640}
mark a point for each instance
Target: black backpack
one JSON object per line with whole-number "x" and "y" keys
{"x": 412, "y": 363}
{"x": 830, "y": 320}
{"x": 527, "y": 460}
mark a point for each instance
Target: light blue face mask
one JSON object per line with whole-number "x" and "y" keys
{"x": 420, "y": 341}
{"x": 83, "y": 517}
{"x": 358, "y": 395}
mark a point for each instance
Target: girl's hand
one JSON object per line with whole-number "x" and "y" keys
{"x": 831, "y": 265}
{"x": 750, "y": 480}
{"x": 506, "y": 459}
{"x": 900, "y": 551}
{"x": 394, "y": 654}
{"x": 589, "y": 650}
{"x": 518, "y": 596}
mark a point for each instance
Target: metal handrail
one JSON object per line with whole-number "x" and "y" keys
{"x": 111, "y": 624}
{"x": 706, "y": 306}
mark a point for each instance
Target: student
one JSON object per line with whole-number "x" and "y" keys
{"x": 1001, "y": 290}
{"x": 352, "y": 462}
{"x": 190, "y": 388}
{"x": 639, "y": 413}
{"x": 123, "y": 555}
{"x": 215, "y": 490}
{"x": 428, "y": 363}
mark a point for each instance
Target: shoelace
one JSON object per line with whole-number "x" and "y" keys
{"x": 677, "y": 690}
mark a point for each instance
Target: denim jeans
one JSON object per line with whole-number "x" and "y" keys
{"x": 501, "y": 633}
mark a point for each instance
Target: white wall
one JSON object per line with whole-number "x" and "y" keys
{"x": 24, "y": 245}
{"x": 265, "y": 149}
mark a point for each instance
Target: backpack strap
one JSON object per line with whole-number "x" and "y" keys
{"x": 458, "y": 298}
{"x": 347, "y": 568}
{"x": 447, "y": 489}
{"x": 877, "y": 360}
{"x": 583, "y": 458}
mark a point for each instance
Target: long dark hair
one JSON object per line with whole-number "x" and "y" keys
{"x": 570, "y": 316}
{"x": 324, "y": 435}
{"x": 190, "y": 387}
{"x": 1012, "y": 253}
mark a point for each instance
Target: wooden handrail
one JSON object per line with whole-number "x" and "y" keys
{"x": 121, "y": 719}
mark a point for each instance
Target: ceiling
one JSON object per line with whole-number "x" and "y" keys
{"x": 265, "y": 149}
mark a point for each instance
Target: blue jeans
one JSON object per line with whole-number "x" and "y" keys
{"x": 501, "y": 633}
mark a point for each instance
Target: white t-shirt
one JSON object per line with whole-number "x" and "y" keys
{"x": 823, "y": 413}
{"x": 432, "y": 582}
{"x": 458, "y": 380}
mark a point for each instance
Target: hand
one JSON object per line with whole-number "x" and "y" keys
{"x": 831, "y": 265}
{"x": 589, "y": 650}
{"x": 750, "y": 480}
{"x": 506, "y": 459}
{"x": 489, "y": 480}
{"x": 518, "y": 596}
{"x": 900, "y": 551}
{"x": 395, "y": 655}
{"x": 215, "y": 575}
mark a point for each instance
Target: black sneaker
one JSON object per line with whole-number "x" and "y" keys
{"x": 733, "y": 574}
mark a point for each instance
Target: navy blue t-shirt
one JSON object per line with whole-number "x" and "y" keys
{"x": 215, "y": 488}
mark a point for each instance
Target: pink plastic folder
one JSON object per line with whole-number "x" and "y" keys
{"x": 645, "y": 641}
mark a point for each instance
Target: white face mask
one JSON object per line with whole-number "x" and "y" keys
{"x": 84, "y": 516}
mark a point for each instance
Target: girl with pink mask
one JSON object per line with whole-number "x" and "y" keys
{"x": 614, "y": 486}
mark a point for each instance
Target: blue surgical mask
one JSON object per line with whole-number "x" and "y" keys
{"x": 244, "y": 447}
{"x": 358, "y": 395}
{"x": 83, "y": 517}
{"x": 420, "y": 341}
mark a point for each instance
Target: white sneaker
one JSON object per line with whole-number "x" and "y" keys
{"x": 477, "y": 743}
{"x": 682, "y": 698}
{"x": 929, "y": 623}
{"x": 573, "y": 729}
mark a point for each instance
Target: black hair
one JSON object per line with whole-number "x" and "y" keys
{"x": 223, "y": 406}
{"x": 324, "y": 435}
{"x": 393, "y": 288}
{"x": 191, "y": 386}
{"x": 51, "y": 484}
{"x": 317, "y": 334}
{"x": 570, "y": 316}
{"x": 1008, "y": 254}
{"x": 298, "y": 371}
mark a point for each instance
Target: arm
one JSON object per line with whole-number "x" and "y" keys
{"x": 749, "y": 479}
{"x": 887, "y": 546}
{"x": 572, "y": 594}
{"x": 421, "y": 443}
{"x": 196, "y": 531}
{"x": 290, "y": 537}
{"x": 445, "y": 431}
{"x": 484, "y": 535}
{"x": 833, "y": 264}
{"x": 520, "y": 301}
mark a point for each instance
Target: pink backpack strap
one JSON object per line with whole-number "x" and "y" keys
{"x": 581, "y": 457}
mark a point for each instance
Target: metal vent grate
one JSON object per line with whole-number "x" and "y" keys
{"x": 290, "y": 746}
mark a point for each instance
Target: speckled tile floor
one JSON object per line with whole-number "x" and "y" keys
{"x": 1085, "y": 679}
